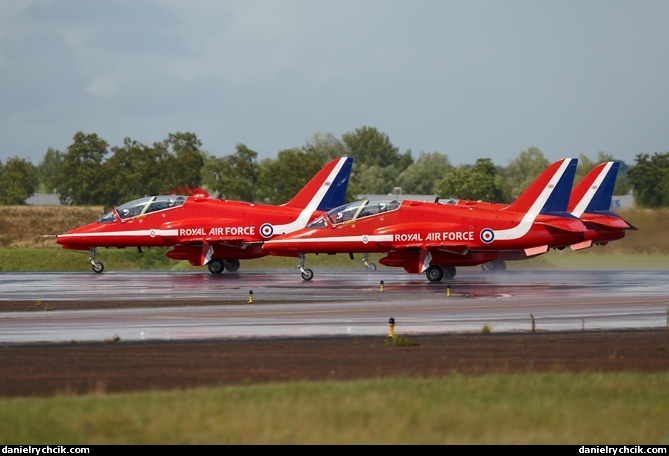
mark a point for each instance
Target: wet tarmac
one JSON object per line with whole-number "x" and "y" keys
{"x": 270, "y": 304}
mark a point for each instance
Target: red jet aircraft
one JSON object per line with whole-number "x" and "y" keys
{"x": 434, "y": 237}
{"x": 590, "y": 201}
{"x": 206, "y": 230}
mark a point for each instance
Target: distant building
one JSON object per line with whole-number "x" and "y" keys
{"x": 44, "y": 199}
{"x": 622, "y": 202}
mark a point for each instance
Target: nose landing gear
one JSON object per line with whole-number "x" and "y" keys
{"x": 98, "y": 267}
{"x": 307, "y": 274}
{"x": 368, "y": 266}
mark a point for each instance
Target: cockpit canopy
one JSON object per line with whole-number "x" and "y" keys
{"x": 354, "y": 211}
{"x": 143, "y": 206}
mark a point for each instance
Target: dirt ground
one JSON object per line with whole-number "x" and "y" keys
{"x": 110, "y": 367}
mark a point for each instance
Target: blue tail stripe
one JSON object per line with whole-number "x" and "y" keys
{"x": 601, "y": 201}
{"x": 336, "y": 193}
{"x": 557, "y": 202}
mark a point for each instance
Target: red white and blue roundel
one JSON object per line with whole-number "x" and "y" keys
{"x": 487, "y": 235}
{"x": 266, "y": 230}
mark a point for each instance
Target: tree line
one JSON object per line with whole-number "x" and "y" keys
{"x": 90, "y": 172}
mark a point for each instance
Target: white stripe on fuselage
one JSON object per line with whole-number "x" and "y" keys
{"x": 304, "y": 217}
{"x": 528, "y": 219}
{"x": 129, "y": 233}
{"x": 362, "y": 239}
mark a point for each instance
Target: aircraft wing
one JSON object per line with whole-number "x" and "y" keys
{"x": 608, "y": 222}
{"x": 234, "y": 242}
{"x": 564, "y": 224}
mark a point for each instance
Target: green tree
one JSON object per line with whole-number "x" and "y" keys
{"x": 328, "y": 147}
{"x": 78, "y": 181}
{"x": 18, "y": 181}
{"x": 233, "y": 177}
{"x": 370, "y": 147}
{"x": 650, "y": 180}
{"x": 477, "y": 182}
{"x": 523, "y": 170}
{"x": 375, "y": 180}
{"x": 133, "y": 171}
{"x": 182, "y": 161}
{"x": 280, "y": 179}
{"x": 422, "y": 176}
{"x": 48, "y": 169}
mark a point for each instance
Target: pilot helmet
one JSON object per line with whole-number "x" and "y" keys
{"x": 340, "y": 216}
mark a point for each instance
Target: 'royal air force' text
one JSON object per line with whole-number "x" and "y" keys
{"x": 219, "y": 231}
{"x": 442, "y": 236}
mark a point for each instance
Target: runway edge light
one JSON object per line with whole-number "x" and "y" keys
{"x": 391, "y": 328}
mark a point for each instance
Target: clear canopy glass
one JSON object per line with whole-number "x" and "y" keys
{"x": 354, "y": 211}
{"x": 143, "y": 206}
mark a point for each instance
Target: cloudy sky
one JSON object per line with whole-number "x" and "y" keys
{"x": 467, "y": 78}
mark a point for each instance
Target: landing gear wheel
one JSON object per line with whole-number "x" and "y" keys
{"x": 307, "y": 274}
{"x": 231, "y": 265}
{"x": 98, "y": 267}
{"x": 216, "y": 266}
{"x": 370, "y": 267}
{"x": 489, "y": 266}
{"x": 434, "y": 273}
{"x": 449, "y": 272}
{"x": 494, "y": 266}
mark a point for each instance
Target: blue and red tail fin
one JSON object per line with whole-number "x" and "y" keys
{"x": 545, "y": 201}
{"x": 591, "y": 197}
{"x": 593, "y": 194}
{"x": 327, "y": 189}
{"x": 549, "y": 193}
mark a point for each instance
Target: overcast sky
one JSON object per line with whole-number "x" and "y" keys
{"x": 470, "y": 79}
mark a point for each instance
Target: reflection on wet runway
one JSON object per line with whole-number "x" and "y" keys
{"x": 335, "y": 303}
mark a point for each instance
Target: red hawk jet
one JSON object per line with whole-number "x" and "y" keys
{"x": 590, "y": 201}
{"x": 434, "y": 237}
{"x": 208, "y": 231}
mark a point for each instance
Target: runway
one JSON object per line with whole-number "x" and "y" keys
{"x": 278, "y": 304}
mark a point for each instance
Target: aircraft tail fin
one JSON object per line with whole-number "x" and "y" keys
{"x": 591, "y": 198}
{"x": 327, "y": 189}
{"x": 549, "y": 192}
{"x": 593, "y": 194}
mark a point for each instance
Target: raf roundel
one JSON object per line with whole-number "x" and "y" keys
{"x": 487, "y": 235}
{"x": 266, "y": 230}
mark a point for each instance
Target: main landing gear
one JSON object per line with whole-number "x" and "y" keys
{"x": 98, "y": 267}
{"x": 216, "y": 265}
{"x": 493, "y": 266}
{"x": 436, "y": 273}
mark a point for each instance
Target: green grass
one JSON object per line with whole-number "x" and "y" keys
{"x": 533, "y": 408}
